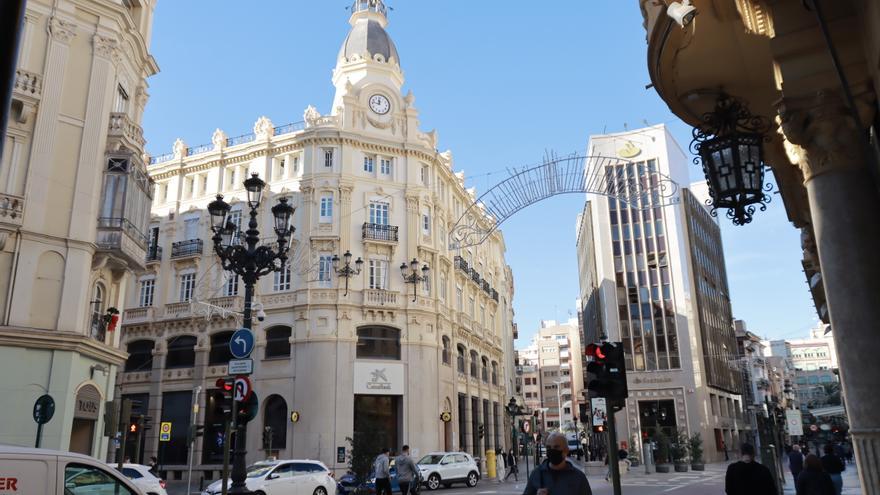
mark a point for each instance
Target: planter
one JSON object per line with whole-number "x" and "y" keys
{"x": 681, "y": 467}
{"x": 634, "y": 463}
{"x": 698, "y": 467}
{"x": 663, "y": 468}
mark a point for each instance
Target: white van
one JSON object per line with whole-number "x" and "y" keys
{"x": 26, "y": 471}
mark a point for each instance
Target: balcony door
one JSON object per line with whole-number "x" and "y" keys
{"x": 379, "y": 213}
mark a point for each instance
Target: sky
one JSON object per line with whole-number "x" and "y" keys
{"x": 502, "y": 83}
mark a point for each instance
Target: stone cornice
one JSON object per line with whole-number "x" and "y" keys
{"x": 33, "y": 338}
{"x": 62, "y": 30}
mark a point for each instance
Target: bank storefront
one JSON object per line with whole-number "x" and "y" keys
{"x": 378, "y": 401}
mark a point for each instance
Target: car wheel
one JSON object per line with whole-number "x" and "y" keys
{"x": 472, "y": 479}
{"x": 433, "y": 482}
{"x": 320, "y": 491}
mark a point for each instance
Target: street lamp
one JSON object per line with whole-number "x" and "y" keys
{"x": 411, "y": 274}
{"x": 729, "y": 142}
{"x": 347, "y": 271}
{"x": 250, "y": 262}
{"x": 513, "y": 410}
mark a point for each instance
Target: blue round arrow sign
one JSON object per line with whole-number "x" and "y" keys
{"x": 242, "y": 343}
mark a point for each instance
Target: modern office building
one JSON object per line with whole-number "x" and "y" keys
{"x": 653, "y": 278}
{"x": 365, "y": 355}
{"x": 74, "y": 204}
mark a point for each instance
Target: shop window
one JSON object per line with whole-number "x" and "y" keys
{"x": 378, "y": 343}
{"x": 278, "y": 342}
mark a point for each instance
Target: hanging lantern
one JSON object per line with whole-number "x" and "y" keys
{"x": 729, "y": 144}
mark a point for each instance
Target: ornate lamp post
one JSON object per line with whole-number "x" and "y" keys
{"x": 729, "y": 143}
{"x": 411, "y": 274}
{"x": 347, "y": 271}
{"x": 513, "y": 410}
{"x": 250, "y": 262}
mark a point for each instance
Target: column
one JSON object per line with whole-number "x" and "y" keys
{"x": 154, "y": 408}
{"x": 822, "y": 138}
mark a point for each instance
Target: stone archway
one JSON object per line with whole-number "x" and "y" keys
{"x": 86, "y": 408}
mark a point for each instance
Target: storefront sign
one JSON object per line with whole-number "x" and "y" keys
{"x": 638, "y": 381}
{"x": 88, "y": 403}
{"x": 599, "y": 410}
{"x": 372, "y": 378}
{"x": 340, "y": 454}
{"x": 794, "y": 422}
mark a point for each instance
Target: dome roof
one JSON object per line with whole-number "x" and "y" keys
{"x": 368, "y": 36}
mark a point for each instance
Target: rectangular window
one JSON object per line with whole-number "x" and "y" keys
{"x": 121, "y": 104}
{"x": 324, "y": 267}
{"x": 230, "y": 288}
{"x": 458, "y": 298}
{"x": 482, "y": 315}
{"x": 472, "y": 305}
{"x": 204, "y": 185}
{"x": 187, "y": 286}
{"x": 326, "y": 209}
{"x": 385, "y": 166}
{"x": 426, "y": 224}
{"x": 426, "y": 285}
{"x": 282, "y": 279}
{"x": 443, "y": 287}
{"x": 230, "y": 179}
{"x": 378, "y": 274}
{"x": 379, "y": 213}
{"x": 191, "y": 228}
{"x": 425, "y": 175}
{"x": 328, "y": 157}
{"x": 145, "y": 292}
{"x": 368, "y": 164}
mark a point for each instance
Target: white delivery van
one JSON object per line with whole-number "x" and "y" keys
{"x": 26, "y": 471}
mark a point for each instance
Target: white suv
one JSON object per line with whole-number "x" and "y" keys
{"x": 299, "y": 477}
{"x": 445, "y": 468}
{"x": 143, "y": 478}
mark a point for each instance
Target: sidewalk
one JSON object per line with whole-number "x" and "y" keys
{"x": 851, "y": 483}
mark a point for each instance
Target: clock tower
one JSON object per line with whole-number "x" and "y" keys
{"x": 368, "y": 77}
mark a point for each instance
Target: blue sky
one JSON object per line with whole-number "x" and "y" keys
{"x": 502, "y": 82}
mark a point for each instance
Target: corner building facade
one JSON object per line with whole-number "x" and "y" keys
{"x": 653, "y": 278}
{"x": 369, "y": 354}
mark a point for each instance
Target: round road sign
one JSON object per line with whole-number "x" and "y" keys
{"x": 242, "y": 389}
{"x": 242, "y": 343}
{"x": 446, "y": 416}
{"x": 44, "y": 409}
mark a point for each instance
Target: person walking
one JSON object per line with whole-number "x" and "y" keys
{"x": 500, "y": 470}
{"x": 813, "y": 480}
{"x": 382, "y": 468}
{"x": 747, "y": 476}
{"x": 795, "y": 462}
{"x": 513, "y": 467}
{"x": 556, "y": 475}
{"x": 407, "y": 471}
{"x": 833, "y": 465}
{"x": 724, "y": 448}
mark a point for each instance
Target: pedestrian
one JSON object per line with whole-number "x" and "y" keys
{"x": 382, "y": 468}
{"x": 747, "y": 476}
{"x": 833, "y": 465}
{"x": 813, "y": 480}
{"x": 407, "y": 471}
{"x": 154, "y": 464}
{"x": 724, "y": 448}
{"x": 557, "y": 475}
{"x": 513, "y": 468}
{"x": 795, "y": 462}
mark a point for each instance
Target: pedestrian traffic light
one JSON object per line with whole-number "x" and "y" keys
{"x": 111, "y": 418}
{"x": 133, "y": 428}
{"x": 195, "y": 431}
{"x": 608, "y": 370}
{"x": 598, "y": 428}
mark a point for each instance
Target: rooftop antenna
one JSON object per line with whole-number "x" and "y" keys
{"x": 625, "y": 126}
{"x": 645, "y": 121}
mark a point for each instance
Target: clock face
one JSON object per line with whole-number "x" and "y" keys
{"x": 380, "y": 104}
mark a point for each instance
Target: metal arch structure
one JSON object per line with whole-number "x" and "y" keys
{"x": 635, "y": 184}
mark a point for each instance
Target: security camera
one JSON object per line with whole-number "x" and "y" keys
{"x": 261, "y": 315}
{"x": 682, "y": 12}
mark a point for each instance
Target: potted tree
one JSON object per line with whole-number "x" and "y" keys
{"x": 662, "y": 461}
{"x": 679, "y": 451}
{"x": 696, "y": 445}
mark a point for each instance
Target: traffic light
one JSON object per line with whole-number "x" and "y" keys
{"x": 608, "y": 368}
{"x": 481, "y": 430}
{"x": 226, "y": 385}
{"x": 133, "y": 428}
{"x": 111, "y": 418}
{"x": 195, "y": 431}
{"x": 598, "y": 428}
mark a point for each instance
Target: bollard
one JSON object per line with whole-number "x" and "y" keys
{"x": 490, "y": 463}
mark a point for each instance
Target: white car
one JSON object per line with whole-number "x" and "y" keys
{"x": 292, "y": 477}
{"x": 141, "y": 476}
{"x": 446, "y": 468}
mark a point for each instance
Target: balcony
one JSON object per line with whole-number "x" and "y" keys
{"x": 229, "y": 303}
{"x": 154, "y": 257}
{"x": 120, "y": 237}
{"x": 379, "y": 232}
{"x": 475, "y": 276}
{"x": 380, "y": 297}
{"x": 186, "y": 249}
{"x": 178, "y": 309}
{"x": 461, "y": 264}
{"x": 122, "y": 127}
{"x": 487, "y": 288}
{"x": 494, "y": 294}
{"x": 11, "y": 209}
{"x": 137, "y": 315}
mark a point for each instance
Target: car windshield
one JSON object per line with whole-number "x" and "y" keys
{"x": 431, "y": 459}
{"x": 258, "y": 470}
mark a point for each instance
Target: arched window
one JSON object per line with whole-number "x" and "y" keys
{"x": 181, "y": 352}
{"x": 140, "y": 356}
{"x": 446, "y": 350}
{"x": 484, "y": 370}
{"x": 220, "y": 353}
{"x": 475, "y": 359}
{"x": 98, "y": 302}
{"x": 494, "y": 373}
{"x": 460, "y": 358}
{"x": 275, "y": 417}
{"x": 278, "y": 342}
{"x": 378, "y": 343}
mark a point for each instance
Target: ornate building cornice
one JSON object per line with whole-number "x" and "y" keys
{"x": 62, "y": 30}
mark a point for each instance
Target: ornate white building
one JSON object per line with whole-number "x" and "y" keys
{"x": 74, "y": 203}
{"x": 369, "y": 354}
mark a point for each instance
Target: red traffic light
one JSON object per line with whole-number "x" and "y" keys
{"x": 224, "y": 384}
{"x": 133, "y": 428}
{"x": 595, "y": 351}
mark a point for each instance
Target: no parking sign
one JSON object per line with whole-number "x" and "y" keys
{"x": 165, "y": 432}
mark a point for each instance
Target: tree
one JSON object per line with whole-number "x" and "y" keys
{"x": 696, "y": 447}
{"x": 679, "y": 447}
{"x": 364, "y": 446}
{"x": 662, "y": 447}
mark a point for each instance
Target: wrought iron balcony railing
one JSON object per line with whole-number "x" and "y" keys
{"x": 154, "y": 257}
{"x": 494, "y": 295}
{"x": 183, "y": 249}
{"x": 461, "y": 264}
{"x": 475, "y": 276}
{"x": 379, "y": 232}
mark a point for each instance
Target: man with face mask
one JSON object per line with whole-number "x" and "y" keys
{"x": 556, "y": 475}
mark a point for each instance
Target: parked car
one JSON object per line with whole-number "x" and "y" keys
{"x": 368, "y": 487}
{"x": 347, "y": 484}
{"x": 27, "y": 470}
{"x": 446, "y": 468}
{"x": 143, "y": 478}
{"x": 284, "y": 477}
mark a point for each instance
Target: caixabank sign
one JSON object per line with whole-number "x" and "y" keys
{"x": 378, "y": 378}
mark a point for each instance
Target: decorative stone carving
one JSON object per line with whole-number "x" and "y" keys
{"x": 311, "y": 116}
{"x": 218, "y": 139}
{"x": 179, "y": 149}
{"x": 263, "y": 128}
{"x": 820, "y": 133}
{"x": 105, "y": 46}
{"x": 62, "y": 30}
